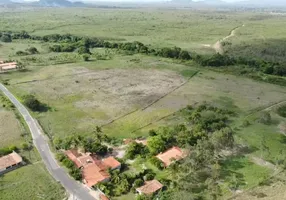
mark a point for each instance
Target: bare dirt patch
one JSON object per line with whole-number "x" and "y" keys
{"x": 108, "y": 93}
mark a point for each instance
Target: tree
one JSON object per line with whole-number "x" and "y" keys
{"x": 86, "y": 57}
{"x": 138, "y": 183}
{"x": 134, "y": 149}
{"x": 83, "y": 50}
{"x": 184, "y": 55}
{"x": 223, "y": 138}
{"x": 32, "y": 50}
{"x": 156, "y": 144}
{"x": 32, "y": 102}
{"x": 6, "y": 38}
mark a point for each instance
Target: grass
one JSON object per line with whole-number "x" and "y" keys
{"x": 248, "y": 174}
{"x": 30, "y": 182}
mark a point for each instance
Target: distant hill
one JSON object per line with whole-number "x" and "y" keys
{"x": 5, "y": 2}
{"x": 59, "y": 3}
{"x": 260, "y": 3}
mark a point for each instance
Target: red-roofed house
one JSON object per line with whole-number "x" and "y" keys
{"x": 10, "y": 162}
{"x": 150, "y": 187}
{"x": 175, "y": 153}
{"x": 93, "y": 175}
{"x": 111, "y": 163}
{"x": 103, "y": 197}
{"x": 94, "y": 171}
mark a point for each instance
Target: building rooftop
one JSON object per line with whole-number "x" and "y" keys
{"x": 10, "y": 160}
{"x": 111, "y": 162}
{"x": 103, "y": 197}
{"x": 150, "y": 187}
{"x": 175, "y": 153}
{"x": 93, "y": 175}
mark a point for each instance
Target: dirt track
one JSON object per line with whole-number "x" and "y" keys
{"x": 218, "y": 45}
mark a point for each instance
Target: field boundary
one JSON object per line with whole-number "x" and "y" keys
{"x": 152, "y": 103}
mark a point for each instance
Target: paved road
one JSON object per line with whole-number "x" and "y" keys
{"x": 75, "y": 189}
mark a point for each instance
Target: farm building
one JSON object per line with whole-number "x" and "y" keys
{"x": 175, "y": 153}
{"x": 10, "y": 162}
{"x": 94, "y": 170}
{"x": 150, "y": 187}
{"x": 7, "y": 66}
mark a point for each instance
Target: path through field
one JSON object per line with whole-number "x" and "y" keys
{"x": 218, "y": 45}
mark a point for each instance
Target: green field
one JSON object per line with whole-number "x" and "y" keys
{"x": 31, "y": 181}
{"x": 128, "y": 93}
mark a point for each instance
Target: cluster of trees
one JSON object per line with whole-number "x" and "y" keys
{"x": 123, "y": 183}
{"x": 93, "y": 144}
{"x": 29, "y": 51}
{"x": 5, "y": 37}
{"x": 250, "y": 67}
{"x": 73, "y": 170}
{"x": 7, "y": 150}
{"x": 281, "y": 110}
{"x": 33, "y": 103}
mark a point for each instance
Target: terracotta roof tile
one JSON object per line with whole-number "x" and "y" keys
{"x": 9, "y": 160}
{"x": 92, "y": 175}
{"x": 103, "y": 197}
{"x": 150, "y": 187}
{"x": 111, "y": 162}
{"x": 168, "y": 156}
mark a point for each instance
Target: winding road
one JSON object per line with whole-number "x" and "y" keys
{"x": 76, "y": 190}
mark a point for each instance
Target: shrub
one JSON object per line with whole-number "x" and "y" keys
{"x": 6, "y": 38}
{"x": 25, "y": 146}
{"x": 282, "y": 111}
{"x": 149, "y": 176}
{"x": 138, "y": 183}
{"x": 32, "y": 50}
{"x": 33, "y": 103}
{"x": 265, "y": 118}
{"x": 86, "y": 57}
{"x": 156, "y": 162}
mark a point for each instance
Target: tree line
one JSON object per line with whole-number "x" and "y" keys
{"x": 82, "y": 44}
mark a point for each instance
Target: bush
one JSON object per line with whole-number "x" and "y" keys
{"x": 32, "y": 50}
{"x": 32, "y": 102}
{"x": 138, "y": 183}
{"x": 265, "y": 118}
{"x": 282, "y": 111}
{"x": 149, "y": 176}
{"x": 25, "y": 146}
{"x": 6, "y": 38}
{"x": 157, "y": 163}
{"x": 86, "y": 57}
{"x": 21, "y": 53}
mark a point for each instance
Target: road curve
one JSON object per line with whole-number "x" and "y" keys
{"x": 75, "y": 189}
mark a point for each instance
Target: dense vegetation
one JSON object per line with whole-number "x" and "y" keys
{"x": 248, "y": 66}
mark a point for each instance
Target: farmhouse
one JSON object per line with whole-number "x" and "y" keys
{"x": 7, "y": 66}
{"x": 94, "y": 170}
{"x": 175, "y": 153}
{"x": 150, "y": 187}
{"x": 10, "y": 162}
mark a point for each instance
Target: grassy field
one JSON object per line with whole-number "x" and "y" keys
{"x": 192, "y": 28}
{"x": 130, "y": 94}
{"x": 11, "y": 129}
{"x": 31, "y": 181}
